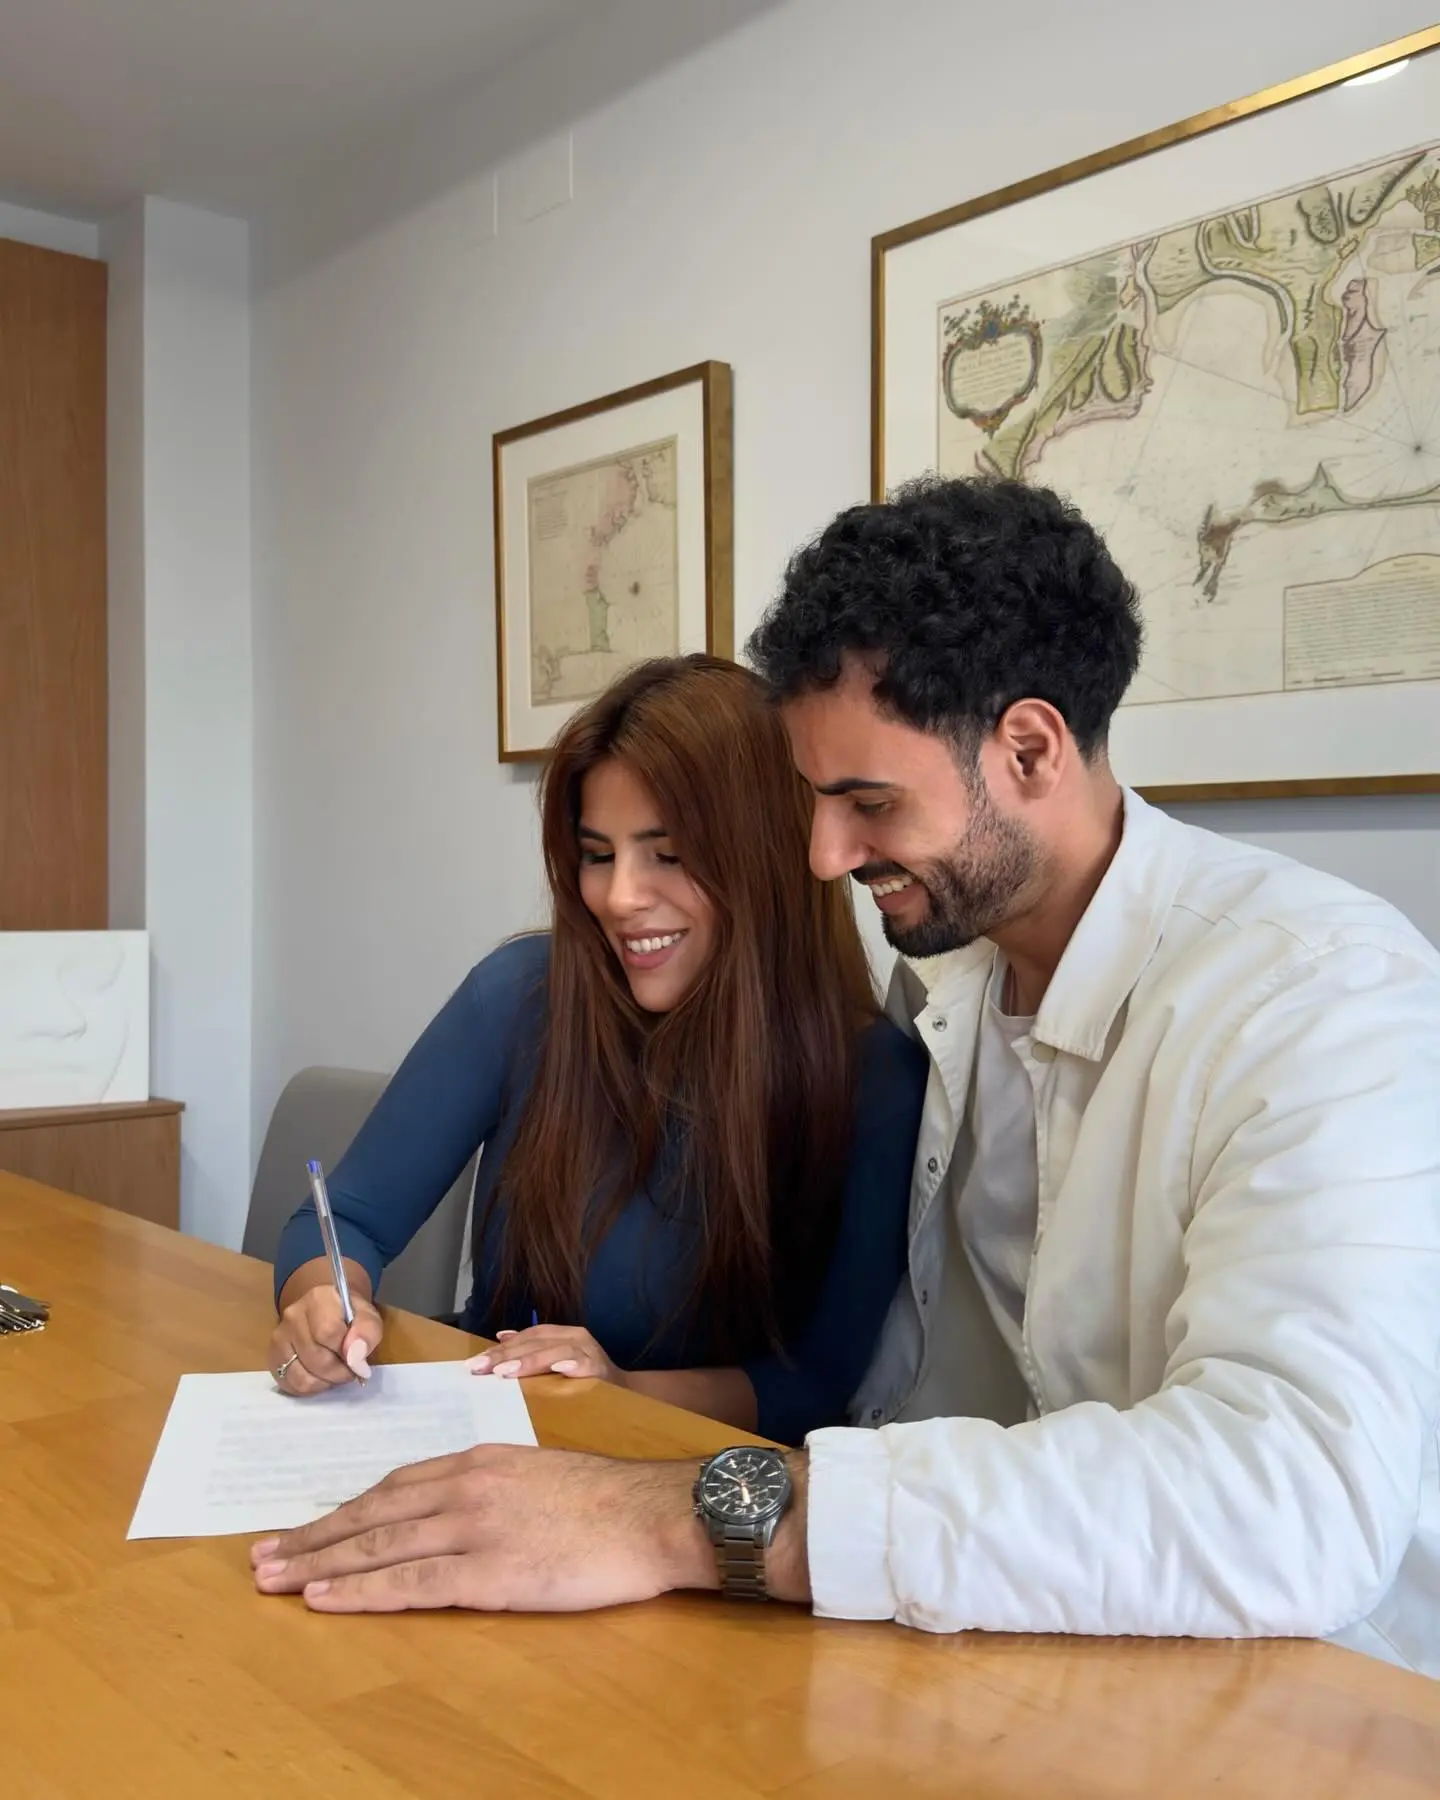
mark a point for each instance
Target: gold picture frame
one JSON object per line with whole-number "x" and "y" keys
{"x": 896, "y": 413}
{"x": 614, "y": 541}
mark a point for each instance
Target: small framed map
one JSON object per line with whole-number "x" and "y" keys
{"x": 613, "y": 530}
{"x": 1222, "y": 342}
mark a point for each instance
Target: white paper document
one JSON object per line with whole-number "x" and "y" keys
{"x": 237, "y": 1455}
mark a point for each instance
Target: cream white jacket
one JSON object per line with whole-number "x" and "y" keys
{"x": 1232, "y": 1325}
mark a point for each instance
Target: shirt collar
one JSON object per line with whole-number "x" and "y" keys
{"x": 1117, "y": 935}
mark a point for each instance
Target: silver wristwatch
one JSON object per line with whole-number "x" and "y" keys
{"x": 740, "y": 1497}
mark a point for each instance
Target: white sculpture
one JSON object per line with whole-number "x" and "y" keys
{"x": 74, "y": 1017}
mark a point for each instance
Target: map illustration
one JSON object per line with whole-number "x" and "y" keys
{"x": 1248, "y": 407}
{"x": 604, "y": 570}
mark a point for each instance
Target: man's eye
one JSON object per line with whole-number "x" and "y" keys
{"x": 869, "y": 808}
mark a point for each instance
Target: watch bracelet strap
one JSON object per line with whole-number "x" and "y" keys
{"x": 740, "y": 1557}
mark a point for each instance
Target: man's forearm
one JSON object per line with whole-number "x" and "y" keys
{"x": 787, "y": 1564}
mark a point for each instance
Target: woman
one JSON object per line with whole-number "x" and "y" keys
{"x": 698, "y": 1134}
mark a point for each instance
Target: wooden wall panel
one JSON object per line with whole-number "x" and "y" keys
{"x": 127, "y": 1157}
{"x": 53, "y": 800}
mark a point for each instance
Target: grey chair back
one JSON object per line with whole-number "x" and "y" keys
{"x": 317, "y": 1115}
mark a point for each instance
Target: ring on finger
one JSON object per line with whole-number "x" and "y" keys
{"x": 285, "y": 1366}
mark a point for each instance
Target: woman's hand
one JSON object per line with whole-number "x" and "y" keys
{"x": 548, "y": 1350}
{"x": 313, "y": 1346}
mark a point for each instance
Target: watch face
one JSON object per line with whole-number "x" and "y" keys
{"x": 743, "y": 1487}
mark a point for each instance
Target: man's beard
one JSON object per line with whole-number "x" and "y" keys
{"x": 970, "y": 892}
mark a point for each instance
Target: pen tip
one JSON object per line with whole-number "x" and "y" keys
{"x": 312, "y": 1168}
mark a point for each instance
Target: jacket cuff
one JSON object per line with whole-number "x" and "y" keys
{"x": 356, "y": 1247}
{"x": 301, "y": 1242}
{"x": 848, "y": 1529}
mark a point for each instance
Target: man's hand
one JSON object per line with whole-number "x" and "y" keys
{"x": 502, "y": 1529}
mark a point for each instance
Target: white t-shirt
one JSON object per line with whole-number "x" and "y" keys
{"x": 1000, "y": 1198}
{"x": 993, "y": 1202}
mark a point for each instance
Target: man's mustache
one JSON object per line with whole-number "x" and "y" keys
{"x": 881, "y": 871}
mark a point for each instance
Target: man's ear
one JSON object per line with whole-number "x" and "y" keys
{"x": 1032, "y": 745}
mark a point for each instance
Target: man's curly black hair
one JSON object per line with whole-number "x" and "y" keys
{"x": 969, "y": 595}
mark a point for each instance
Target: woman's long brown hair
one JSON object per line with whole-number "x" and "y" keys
{"x": 748, "y": 1084}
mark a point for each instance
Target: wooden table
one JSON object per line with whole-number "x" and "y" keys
{"x": 154, "y": 1670}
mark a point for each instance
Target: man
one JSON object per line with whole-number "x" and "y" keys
{"x": 1169, "y": 1359}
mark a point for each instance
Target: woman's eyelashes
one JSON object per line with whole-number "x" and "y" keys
{"x": 595, "y": 859}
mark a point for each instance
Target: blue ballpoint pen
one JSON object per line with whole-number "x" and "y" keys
{"x": 332, "y": 1247}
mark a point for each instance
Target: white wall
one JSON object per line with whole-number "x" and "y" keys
{"x": 723, "y": 209}
{"x": 49, "y": 231}
{"x": 199, "y": 722}
{"x": 181, "y": 789}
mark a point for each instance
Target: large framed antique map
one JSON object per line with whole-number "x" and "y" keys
{"x": 612, "y": 545}
{"x": 1222, "y": 342}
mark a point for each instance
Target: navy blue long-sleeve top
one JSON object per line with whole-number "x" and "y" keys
{"x": 463, "y": 1085}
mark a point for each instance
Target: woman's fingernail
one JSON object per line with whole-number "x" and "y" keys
{"x": 564, "y": 1368}
{"x": 478, "y": 1365}
{"x": 507, "y": 1368}
{"x": 358, "y": 1360}
{"x": 265, "y": 1548}
{"x": 269, "y": 1569}
{"x": 313, "y": 1588}
{"x": 499, "y": 1335}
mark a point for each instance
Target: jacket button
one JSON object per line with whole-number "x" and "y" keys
{"x": 939, "y": 1024}
{"x": 875, "y": 1412}
{"x": 933, "y": 1165}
